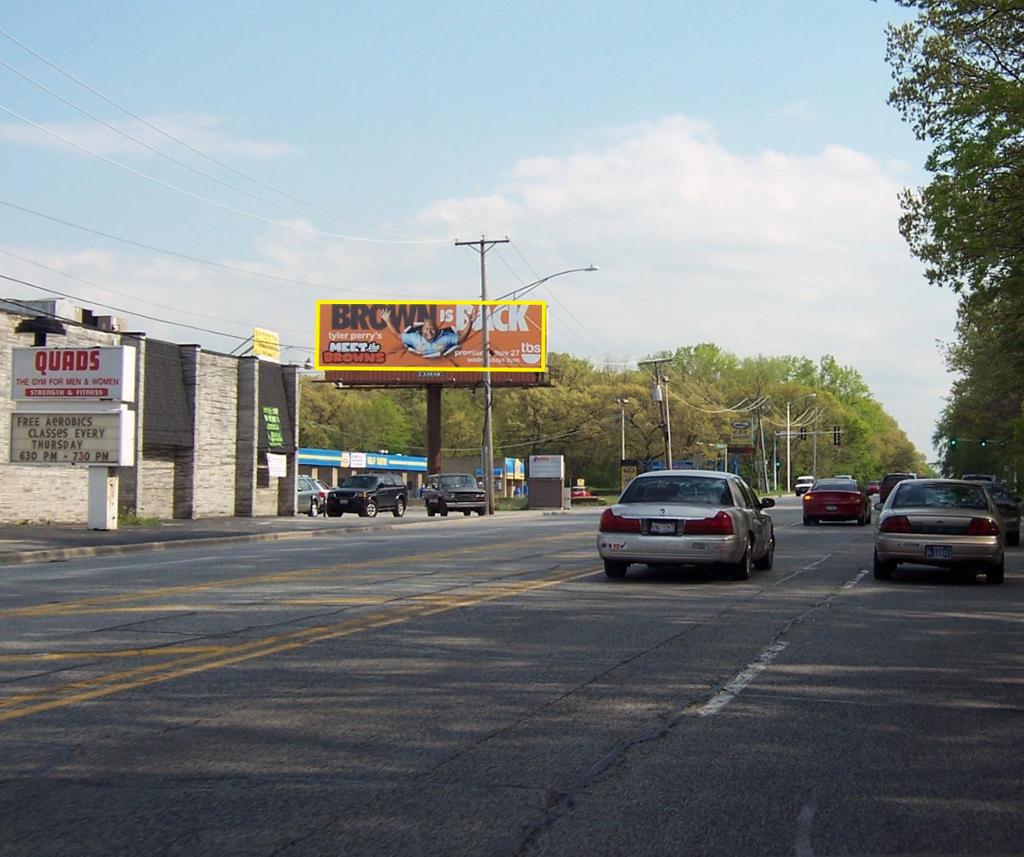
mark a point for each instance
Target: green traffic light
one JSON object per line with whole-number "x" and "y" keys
{"x": 952, "y": 441}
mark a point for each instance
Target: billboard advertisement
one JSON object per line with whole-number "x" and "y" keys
{"x": 439, "y": 337}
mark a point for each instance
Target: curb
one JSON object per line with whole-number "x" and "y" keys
{"x": 47, "y": 555}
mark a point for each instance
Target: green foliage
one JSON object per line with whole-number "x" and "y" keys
{"x": 578, "y": 416}
{"x": 959, "y": 82}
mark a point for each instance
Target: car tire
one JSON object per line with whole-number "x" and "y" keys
{"x": 614, "y": 568}
{"x": 369, "y": 510}
{"x": 1013, "y": 539}
{"x": 399, "y": 509}
{"x": 431, "y": 511}
{"x": 995, "y": 574}
{"x": 741, "y": 570}
{"x": 809, "y": 521}
{"x": 467, "y": 512}
{"x": 861, "y": 521}
{"x": 333, "y": 513}
{"x": 481, "y": 512}
{"x": 765, "y": 562}
{"x": 314, "y": 508}
{"x": 883, "y": 570}
{"x": 443, "y": 511}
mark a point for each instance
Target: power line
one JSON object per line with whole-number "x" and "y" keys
{"x": 146, "y": 145}
{"x": 99, "y": 286}
{"x": 155, "y": 249}
{"x": 178, "y": 140}
{"x": 240, "y": 211}
{"x": 120, "y": 309}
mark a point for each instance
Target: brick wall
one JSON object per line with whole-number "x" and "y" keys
{"x": 216, "y": 418}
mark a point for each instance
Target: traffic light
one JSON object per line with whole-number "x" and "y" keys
{"x": 803, "y": 432}
{"x": 952, "y": 442}
{"x": 984, "y": 442}
{"x": 836, "y": 435}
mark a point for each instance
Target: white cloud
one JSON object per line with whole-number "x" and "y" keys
{"x": 770, "y": 253}
{"x": 204, "y": 132}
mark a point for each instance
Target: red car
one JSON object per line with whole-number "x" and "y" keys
{"x": 873, "y": 486}
{"x": 836, "y": 500}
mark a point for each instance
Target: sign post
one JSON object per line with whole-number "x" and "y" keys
{"x": 70, "y": 409}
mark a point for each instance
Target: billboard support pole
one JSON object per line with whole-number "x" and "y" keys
{"x": 482, "y": 246}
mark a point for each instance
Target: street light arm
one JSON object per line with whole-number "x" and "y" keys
{"x": 515, "y": 294}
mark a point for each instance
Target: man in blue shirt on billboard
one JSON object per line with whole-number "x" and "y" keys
{"x": 426, "y": 339}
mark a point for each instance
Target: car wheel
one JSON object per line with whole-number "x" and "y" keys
{"x": 883, "y": 570}
{"x": 741, "y": 570}
{"x": 860, "y": 521}
{"x": 431, "y": 511}
{"x": 1013, "y": 539}
{"x": 612, "y": 568}
{"x": 369, "y": 510}
{"x": 808, "y": 521}
{"x": 481, "y": 512}
{"x": 996, "y": 573}
{"x": 443, "y": 510}
{"x": 399, "y": 509}
{"x": 314, "y": 508}
{"x": 333, "y": 513}
{"x": 765, "y": 562}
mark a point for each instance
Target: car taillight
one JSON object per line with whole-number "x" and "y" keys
{"x": 895, "y": 524}
{"x": 719, "y": 525}
{"x": 612, "y": 523}
{"x": 808, "y": 496}
{"x": 982, "y": 527}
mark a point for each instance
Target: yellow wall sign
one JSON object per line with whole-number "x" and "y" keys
{"x": 266, "y": 344}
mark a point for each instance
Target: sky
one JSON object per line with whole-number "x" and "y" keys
{"x": 732, "y": 168}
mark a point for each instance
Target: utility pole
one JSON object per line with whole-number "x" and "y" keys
{"x": 660, "y": 393}
{"x": 482, "y": 246}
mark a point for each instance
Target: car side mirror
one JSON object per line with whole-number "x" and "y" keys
{"x": 767, "y": 502}
{"x": 878, "y": 507}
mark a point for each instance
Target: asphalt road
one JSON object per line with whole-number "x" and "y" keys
{"x": 478, "y": 687}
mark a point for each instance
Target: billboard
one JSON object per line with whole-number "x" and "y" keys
{"x": 62, "y": 374}
{"x": 386, "y": 336}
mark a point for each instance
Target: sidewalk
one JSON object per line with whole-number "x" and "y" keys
{"x": 24, "y": 543}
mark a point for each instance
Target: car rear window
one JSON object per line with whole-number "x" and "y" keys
{"x": 679, "y": 489}
{"x": 835, "y": 485}
{"x": 939, "y": 496}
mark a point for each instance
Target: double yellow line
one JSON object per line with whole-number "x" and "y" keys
{"x": 203, "y": 659}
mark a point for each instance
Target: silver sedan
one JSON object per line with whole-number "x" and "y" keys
{"x": 687, "y": 517}
{"x": 942, "y": 522}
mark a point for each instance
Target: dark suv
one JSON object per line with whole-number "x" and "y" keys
{"x": 890, "y": 481}
{"x": 368, "y": 494}
{"x": 457, "y": 492}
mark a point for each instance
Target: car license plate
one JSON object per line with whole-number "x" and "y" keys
{"x": 830, "y": 508}
{"x": 938, "y": 552}
{"x": 663, "y": 528}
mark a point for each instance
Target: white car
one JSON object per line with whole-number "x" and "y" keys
{"x": 803, "y": 484}
{"x": 687, "y": 517}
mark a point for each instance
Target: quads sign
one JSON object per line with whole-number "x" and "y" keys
{"x": 100, "y": 438}
{"x": 62, "y": 374}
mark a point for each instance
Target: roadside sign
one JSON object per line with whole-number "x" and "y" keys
{"x": 742, "y": 432}
{"x": 65, "y": 374}
{"x": 104, "y": 438}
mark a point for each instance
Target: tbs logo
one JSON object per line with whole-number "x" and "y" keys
{"x": 530, "y": 352}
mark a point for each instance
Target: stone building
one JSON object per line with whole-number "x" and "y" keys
{"x": 210, "y": 427}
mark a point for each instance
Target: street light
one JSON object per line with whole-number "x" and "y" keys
{"x": 622, "y": 413}
{"x": 488, "y": 463}
{"x": 516, "y": 294}
{"x": 789, "y": 467}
